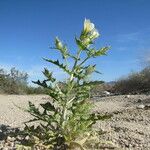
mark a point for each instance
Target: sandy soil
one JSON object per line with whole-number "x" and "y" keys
{"x": 10, "y": 114}
{"x": 129, "y": 128}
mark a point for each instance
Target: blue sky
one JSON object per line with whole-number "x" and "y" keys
{"x": 28, "y": 27}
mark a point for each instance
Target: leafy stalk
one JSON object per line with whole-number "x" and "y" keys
{"x": 69, "y": 116}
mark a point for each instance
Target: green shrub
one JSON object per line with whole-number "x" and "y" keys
{"x": 14, "y": 82}
{"x": 35, "y": 90}
{"x": 66, "y": 119}
{"x": 138, "y": 82}
{"x": 100, "y": 87}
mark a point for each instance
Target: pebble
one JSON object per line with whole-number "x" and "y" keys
{"x": 141, "y": 106}
{"x": 139, "y": 100}
{"x": 127, "y": 96}
{"x": 125, "y": 121}
{"x": 147, "y": 106}
{"x": 27, "y": 138}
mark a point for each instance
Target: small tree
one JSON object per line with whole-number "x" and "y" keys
{"x": 14, "y": 82}
{"x": 67, "y": 117}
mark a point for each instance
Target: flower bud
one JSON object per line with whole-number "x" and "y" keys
{"x": 58, "y": 44}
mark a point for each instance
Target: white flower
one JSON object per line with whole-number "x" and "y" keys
{"x": 88, "y": 25}
{"x": 86, "y": 41}
{"x": 90, "y": 30}
{"x": 89, "y": 33}
{"x": 94, "y": 34}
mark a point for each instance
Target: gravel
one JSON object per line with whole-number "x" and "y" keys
{"x": 128, "y": 129}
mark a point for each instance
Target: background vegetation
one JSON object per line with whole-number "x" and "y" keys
{"x": 16, "y": 82}
{"x": 134, "y": 83}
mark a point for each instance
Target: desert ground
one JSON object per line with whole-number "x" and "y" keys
{"x": 128, "y": 129}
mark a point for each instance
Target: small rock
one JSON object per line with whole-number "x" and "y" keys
{"x": 27, "y": 138}
{"x": 127, "y": 96}
{"x": 19, "y": 137}
{"x": 141, "y": 106}
{"x": 139, "y": 100}
{"x": 106, "y": 93}
{"x": 130, "y": 146}
{"x": 13, "y": 139}
{"x": 9, "y": 138}
{"x": 12, "y": 144}
{"x": 5, "y": 148}
{"x": 147, "y": 106}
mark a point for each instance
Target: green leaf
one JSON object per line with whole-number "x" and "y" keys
{"x": 48, "y": 106}
{"x": 102, "y": 51}
{"x": 80, "y": 44}
{"x": 61, "y": 47}
{"x": 43, "y": 83}
{"x": 32, "y": 120}
{"x": 91, "y": 52}
{"x": 57, "y": 63}
{"x": 90, "y": 69}
{"x": 33, "y": 109}
{"x": 48, "y": 75}
{"x": 97, "y": 72}
{"x": 58, "y": 44}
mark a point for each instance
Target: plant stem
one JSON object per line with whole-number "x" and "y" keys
{"x": 69, "y": 88}
{"x": 84, "y": 61}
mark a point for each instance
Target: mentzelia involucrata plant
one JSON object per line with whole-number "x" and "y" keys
{"x": 66, "y": 119}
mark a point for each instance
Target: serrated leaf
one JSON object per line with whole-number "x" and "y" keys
{"x": 102, "y": 51}
{"x": 32, "y": 120}
{"x": 97, "y": 72}
{"x": 48, "y": 106}
{"x": 43, "y": 83}
{"x": 90, "y": 69}
{"x": 48, "y": 75}
{"x": 33, "y": 109}
{"x": 57, "y": 63}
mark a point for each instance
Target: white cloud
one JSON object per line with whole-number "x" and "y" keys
{"x": 140, "y": 36}
{"x": 128, "y": 37}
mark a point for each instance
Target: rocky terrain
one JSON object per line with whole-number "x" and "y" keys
{"x": 128, "y": 129}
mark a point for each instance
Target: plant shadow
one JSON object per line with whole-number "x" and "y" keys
{"x": 6, "y": 130}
